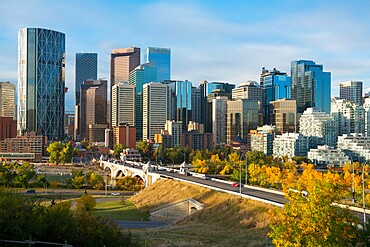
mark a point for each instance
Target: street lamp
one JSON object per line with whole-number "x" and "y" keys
{"x": 363, "y": 192}
{"x": 240, "y": 173}
{"x": 353, "y": 179}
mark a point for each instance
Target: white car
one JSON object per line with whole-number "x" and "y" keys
{"x": 115, "y": 194}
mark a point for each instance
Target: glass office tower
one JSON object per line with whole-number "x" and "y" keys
{"x": 310, "y": 85}
{"x": 161, "y": 58}
{"x": 276, "y": 85}
{"x": 182, "y": 90}
{"x": 41, "y": 83}
{"x": 86, "y": 69}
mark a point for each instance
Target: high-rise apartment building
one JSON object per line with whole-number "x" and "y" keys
{"x": 310, "y": 85}
{"x": 242, "y": 116}
{"x": 349, "y": 116}
{"x": 262, "y": 139}
{"x": 7, "y": 99}
{"x": 290, "y": 145}
{"x": 283, "y": 114}
{"x": 155, "y": 109}
{"x": 161, "y": 58}
{"x": 86, "y": 68}
{"x": 93, "y": 108}
{"x": 319, "y": 126}
{"x": 174, "y": 129}
{"x": 123, "y": 104}
{"x": 276, "y": 85}
{"x": 366, "y": 107}
{"x": 41, "y": 83}
{"x": 351, "y": 90}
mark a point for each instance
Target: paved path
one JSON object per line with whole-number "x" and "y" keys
{"x": 141, "y": 224}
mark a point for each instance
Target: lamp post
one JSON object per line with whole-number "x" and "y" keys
{"x": 353, "y": 179}
{"x": 240, "y": 172}
{"x": 363, "y": 192}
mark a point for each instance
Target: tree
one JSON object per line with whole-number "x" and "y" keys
{"x": 309, "y": 218}
{"x": 25, "y": 172}
{"x": 67, "y": 153}
{"x": 145, "y": 149}
{"x": 128, "y": 183}
{"x": 118, "y": 148}
{"x": 54, "y": 151}
{"x": 7, "y": 174}
{"x": 86, "y": 203}
{"x": 42, "y": 179}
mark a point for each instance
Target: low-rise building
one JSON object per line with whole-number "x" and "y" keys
{"x": 290, "y": 145}
{"x": 195, "y": 140}
{"x": 357, "y": 146}
{"x": 262, "y": 139}
{"x": 326, "y": 155}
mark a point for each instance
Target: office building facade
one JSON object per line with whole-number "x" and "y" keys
{"x": 7, "y": 99}
{"x": 161, "y": 58}
{"x": 123, "y": 104}
{"x": 310, "y": 85}
{"x": 219, "y": 111}
{"x": 283, "y": 114}
{"x": 41, "y": 82}
{"x": 351, "y": 90}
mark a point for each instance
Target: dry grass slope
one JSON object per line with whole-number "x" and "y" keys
{"x": 225, "y": 221}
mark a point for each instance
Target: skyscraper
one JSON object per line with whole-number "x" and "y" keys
{"x": 310, "y": 85}
{"x": 93, "y": 107}
{"x": 122, "y": 62}
{"x": 219, "y": 110}
{"x": 161, "y": 58}
{"x": 155, "y": 109}
{"x": 182, "y": 102}
{"x": 351, "y": 90}
{"x": 139, "y": 76}
{"x": 276, "y": 85}
{"x": 86, "y": 68}
{"x": 123, "y": 104}
{"x": 41, "y": 85}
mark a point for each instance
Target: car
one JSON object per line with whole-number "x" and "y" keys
{"x": 235, "y": 184}
{"x": 115, "y": 194}
{"x": 31, "y": 191}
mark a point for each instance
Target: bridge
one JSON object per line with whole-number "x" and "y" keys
{"x": 129, "y": 168}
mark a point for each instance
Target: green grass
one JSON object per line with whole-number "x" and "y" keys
{"x": 119, "y": 210}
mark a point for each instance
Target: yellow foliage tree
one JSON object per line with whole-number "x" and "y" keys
{"x": 309, "y": 218}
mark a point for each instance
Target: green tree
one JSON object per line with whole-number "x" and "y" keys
{"x": 67, "y": 153}
{"x": 256, "y": 157}
{"x": 309, "y": 218}
{"x": 118, "y": 148}
{"x": 128, "y": 183}
{"x": 145, "y": 149}
{"x": 78, "y": 178}
{"x": 42, "y": 179}
{"x": 85, "y": 203}
{"x": 7, "y": 174}
{"x": 55, "y": 152}
{"x": 25, "y": 172}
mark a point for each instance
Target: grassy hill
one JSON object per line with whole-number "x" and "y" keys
{"x": 226, "y": 220}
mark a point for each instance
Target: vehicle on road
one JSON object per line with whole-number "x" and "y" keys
{"x": 115, "y": 194}
{"x": 31, "y": 191}
{"x": 235, "y": 184}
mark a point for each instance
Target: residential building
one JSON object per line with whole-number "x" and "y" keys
{"x": 310, "y": 85}
{"x": 7, "y": 99}
{"x": 196, "y": 126}
{"x": 262, "y": 139}
{"x": 326, "y": 155}
{"x": 93, "y": 109}
{"x": 290, "y": 145}
{"x": 319, "y": 126}
{"x": 161, "y": 58}
{"x": 197, "y": 141}
{"x": 242, "y": 116}
{"x": 41, "y": 82}
{"x": 8, "y": 128}
{"x": 219, "y": 111}
{"x": 283, "y": 115}
{"x": 366, "y": 107}
{"x": 174, "y": 129}
{"x": 349, "y": 116}
{"x": 155, "y": 108}
{"x": 123, "y": 104}
{"x": 276, "y": 85}
{"x": 86, "y": 68}
{"x": 28, "y": 146}
{"x": 357, "y": 146}
{"x": 351, "y": 90}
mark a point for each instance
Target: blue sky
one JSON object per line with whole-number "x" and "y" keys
{"x": 210, "y": 40}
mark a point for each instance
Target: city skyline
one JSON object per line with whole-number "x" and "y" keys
{"x": 214, "y": 41}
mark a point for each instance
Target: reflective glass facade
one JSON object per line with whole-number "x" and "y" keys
{"x": 41, "y": 83}
{"x": 183, "y": 93}
{"x": 86, "y": 69}
{"x": 161, "y": 58}
{"x": 276, "y": 85}
{"x": 310, "y": 85}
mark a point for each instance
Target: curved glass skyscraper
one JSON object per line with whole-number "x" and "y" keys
{"x": 41, "y": 83}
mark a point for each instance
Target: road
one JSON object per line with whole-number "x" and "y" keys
{"x": 140, "y": 224}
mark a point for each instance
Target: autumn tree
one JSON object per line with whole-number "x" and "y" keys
{"x": 128, "y": 183}
{"x": 54, "y": 150}
{"x": 25, "y": 172}
{"x": 117, "y": 150}
{"x": 309, "y": 218}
